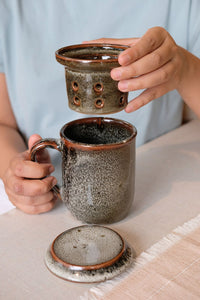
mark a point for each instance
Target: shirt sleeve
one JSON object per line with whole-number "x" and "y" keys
{"x": 194, "y": 28}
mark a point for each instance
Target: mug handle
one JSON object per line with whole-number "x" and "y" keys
{"x": 46, "y": 143}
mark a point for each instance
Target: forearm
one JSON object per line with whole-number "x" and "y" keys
{"x": 11, "y": 144}
{"x": 189, "y": 87}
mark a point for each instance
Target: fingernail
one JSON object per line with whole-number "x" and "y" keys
{"x": 128, "y": 109}
{"x": 123, "y": 86}
{"x": 51, "y": 169}
{"x": 54, "y": 181}
{"x": 124, "y": 59}
{"x": 116, "y": 74}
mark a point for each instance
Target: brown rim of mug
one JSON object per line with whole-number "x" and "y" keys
{"x": 59, "y": 52}
{"x": 88, "y": 267}
{"x": 97, "y": 120}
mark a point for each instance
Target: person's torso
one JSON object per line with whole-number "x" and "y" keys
{"x": 33, "y": 30}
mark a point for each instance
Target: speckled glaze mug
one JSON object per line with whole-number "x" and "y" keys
{"x": 90, "y": 88}
{"x": 98, "y": 168}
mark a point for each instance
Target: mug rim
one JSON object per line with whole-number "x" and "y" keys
{"x": 98, "y": 120}
{"x": 63, "y": 58}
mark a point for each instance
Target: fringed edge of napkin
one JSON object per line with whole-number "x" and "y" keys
{"x": 97, "y": 293}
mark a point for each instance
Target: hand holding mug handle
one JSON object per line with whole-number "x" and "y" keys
{"x": 46, "y": 143}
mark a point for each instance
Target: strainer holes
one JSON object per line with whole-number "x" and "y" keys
{"x": 99, "y": 103}
{"x": 98, "y": 87}
{"x": 75, "y": 86}
{"x": 121, "y": 101}
{"x": 77, "y": 101}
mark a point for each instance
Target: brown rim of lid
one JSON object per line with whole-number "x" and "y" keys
{"x": 89, "y": 267}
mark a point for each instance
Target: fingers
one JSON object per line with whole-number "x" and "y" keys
{"x": 150, "y": 41}
{"x": 36, "y": 209}
{"x": 28, "y": 187}
{"x": 29, "y": 184}
{"x": 29, "y": 169}
{"x": 148, "y": 80}
{"x": 33, "y": 139}
{"x": 42, "y": 156}
{"x": 153, "y": 63}
{"x": 31, "y": 196}
{"x": 147, "y": 96}
{"x": 145, "y": 64}
{"x": 32, "y": 200}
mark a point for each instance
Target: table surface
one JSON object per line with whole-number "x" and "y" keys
{"x": 167, "y": 195}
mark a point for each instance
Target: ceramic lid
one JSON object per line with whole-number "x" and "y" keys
{"x": 83, "y": 248}
{"x": 88, "y": 253}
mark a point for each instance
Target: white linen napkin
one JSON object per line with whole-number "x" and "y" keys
{"x": 5, "y": 204}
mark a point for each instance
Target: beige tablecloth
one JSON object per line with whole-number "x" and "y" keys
{"x": 167, "y": 195}
{"x": 170, "y": 269}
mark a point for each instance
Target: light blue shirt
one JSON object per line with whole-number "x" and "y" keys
{"x": 32, "y": 30}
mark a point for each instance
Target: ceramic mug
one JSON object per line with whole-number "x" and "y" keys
{"x": 98, "y": 167}
{"x": 90, "y": 88}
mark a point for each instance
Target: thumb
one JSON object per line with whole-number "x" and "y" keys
{"x": 42, "y": 155}
{"x": 33, "y": 139}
